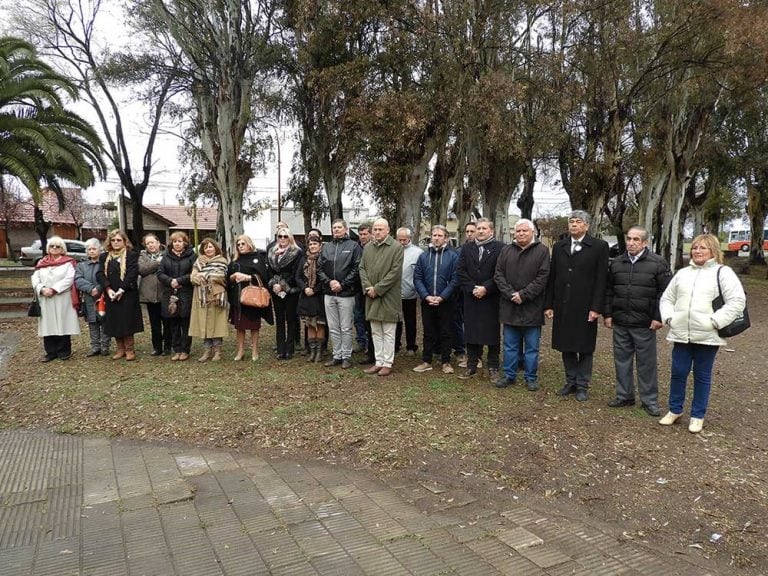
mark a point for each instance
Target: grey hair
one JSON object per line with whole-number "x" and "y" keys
{"x": 440, "y": 227}
{"x": 56, "y": 241}
{"x": 526, "y": 222}
{"x": 407, "y": 231}
{"x": 486, "y": 221}
{"x": 641, "y": 229}
{"x": 581, "y": 215}
{"x": 94, "y": 242}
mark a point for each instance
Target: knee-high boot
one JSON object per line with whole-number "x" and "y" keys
{"x": 120, "y": 342}
{"x": 130, "y": 353}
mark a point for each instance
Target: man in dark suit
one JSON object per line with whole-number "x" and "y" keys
{"x": 477, "y": 265}
{"x": 575, "y": 299}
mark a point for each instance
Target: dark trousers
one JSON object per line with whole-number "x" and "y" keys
{"x": 286, "y": 323}
{"x": 409, "y": 322}
{"x": 438, "y": 330}
{"x": 475, "y": 352}
{"x": 362, "y": 336}
{"x": 161, "y": 334}
{"x": 457, "y": 337}
{"x": 57, "y": 346}
{"x": 370, "y": 356}
{"x": 578, "y": 369}
{"x": 181, "y": 342}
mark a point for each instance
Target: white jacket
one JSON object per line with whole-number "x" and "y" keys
{"x": 57, "y": 316}
{"x": 686, "y": 305}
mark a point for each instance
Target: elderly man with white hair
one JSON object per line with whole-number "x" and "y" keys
{"x": 522, "y": 271}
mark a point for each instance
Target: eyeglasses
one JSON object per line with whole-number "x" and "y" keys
{"x": 282, "y": 236}
{"x": 116, "y": 240}
{"x": 241, "y": 244}
{"x": 57, "y": 247}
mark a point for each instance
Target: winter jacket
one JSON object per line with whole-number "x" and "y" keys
{"x": 382, "y": 268}
{"x": 85, "y": 281}
{"x": 340, "y": 260}
{"x": 180, "y": 268}
{"x": 523, "y": 270}
{"x": 633, "y": 291}
{"x": 150, "y": 289}
{"x": 686, "y": 305}
{"x": 411, "y": 255}
{"x": 57, "y": 315}
{"x": 436, "y": 272}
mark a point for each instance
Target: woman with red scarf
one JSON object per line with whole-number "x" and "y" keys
{"x": 53, "y": 282}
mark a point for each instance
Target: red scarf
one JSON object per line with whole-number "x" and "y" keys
{"x": 48, "y": 261}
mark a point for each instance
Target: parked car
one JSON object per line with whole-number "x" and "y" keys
{"x": 31, "y": 254}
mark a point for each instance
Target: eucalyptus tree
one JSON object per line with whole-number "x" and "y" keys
{"x": 74, "y": 35}
{"x": 331, "y": 45}
{"x": 228, "y": 46}
{"x": 41, "y": 142}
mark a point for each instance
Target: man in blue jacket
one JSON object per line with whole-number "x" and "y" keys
{"x": 435, "y": 279}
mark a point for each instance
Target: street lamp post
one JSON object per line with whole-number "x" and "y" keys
{"x": 279, "y": 190}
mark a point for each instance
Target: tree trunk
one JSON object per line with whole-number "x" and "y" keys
{"x": 525, "y": 201}
{"x": 503, "y": 177}
{"x": 757, "y": 207}
{"x": 411, "y": 193}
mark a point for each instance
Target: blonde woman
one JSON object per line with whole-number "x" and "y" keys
{"x": 175, "y": 273}
{"x": 686, "y": 307}
{"x": 118, "y": 275}
{"x": 284, "y": 258}
{"x": 53, "y": 282}
{"x": 209, "y": 301}
{"x": 248, "y": 265}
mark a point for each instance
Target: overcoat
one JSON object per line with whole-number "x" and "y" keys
{"x": 123, "y": 316}
{"x": 85, "y": 281}
{"x": 577, "y": 284}
{"x": 178, "y": 267}
{"x": 481, "y": 315}
{"x": 523, "y": 270}
{"x": 208, "y": 320}
{"x": 57, "y": 315}
{"x": 150, "y": 288}
{"x": 382, "y": 268}
{"x": 255, "y": 264}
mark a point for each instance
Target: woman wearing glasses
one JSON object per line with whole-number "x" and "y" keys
{"x": 284, "y": 259}
{"x": 53, "y": 282}
{"x": 119, "y": 275}
{"x": 175, "y": 275}
{"x": 248, "y": 265}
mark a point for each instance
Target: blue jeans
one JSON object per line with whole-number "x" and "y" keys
{"x": 531, "y": 336}
{"x": 702, "y": 358}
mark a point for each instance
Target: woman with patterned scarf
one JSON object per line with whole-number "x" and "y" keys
{"x": 209, "y": 302}
{"x": 118, "y": 275}
{"x": 53, "y": 284}
{"x": 284, "y": 258}
{"x": 311, "y": 308}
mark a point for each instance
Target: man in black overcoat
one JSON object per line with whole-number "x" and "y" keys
{"x": 575, "y": 299}
{"x": 477, "y": 265}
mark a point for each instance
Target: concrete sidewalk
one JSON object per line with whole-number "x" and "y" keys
{"x": 84, "y": 505}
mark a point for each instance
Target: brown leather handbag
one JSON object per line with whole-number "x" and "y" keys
{"x": 255, "y": 296}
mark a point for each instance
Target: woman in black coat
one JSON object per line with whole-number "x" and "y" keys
{"x": 248, "y": 266}
{"x": 284, "y": 258}
{"x": 118, "y": 275}
{"x": 176, "y": 304}
{"x": 311, "y": 307}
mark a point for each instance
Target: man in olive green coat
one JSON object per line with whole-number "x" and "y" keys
{"x": 380, "y": 274}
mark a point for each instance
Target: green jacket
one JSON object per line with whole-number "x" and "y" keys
{"x": 382, "y": 268}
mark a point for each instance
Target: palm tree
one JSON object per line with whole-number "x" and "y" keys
{"x": 42, "y": 143}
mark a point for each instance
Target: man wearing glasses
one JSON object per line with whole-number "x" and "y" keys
{"x": 338, "y": 271}
{"x": 575, "y": 299}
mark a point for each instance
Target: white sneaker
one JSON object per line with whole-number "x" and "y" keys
{"x": 447, "y": 369}
{"x": 695, "y": 425}
{"x": 423, "y": 367}
{"x": 669, "y": 419}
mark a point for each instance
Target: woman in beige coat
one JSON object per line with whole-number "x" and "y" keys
{"x": 209, "y": 301}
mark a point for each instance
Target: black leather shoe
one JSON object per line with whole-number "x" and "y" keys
{"x": 532, "y": 386}
{"x": 47, "y": 358}
{"x": 467, "y": 374}
{"x": 565, "y": 390}
{"x": 621, "y": 402}
{"x": 504, "y": 382}
{"x": 333, "y": 362}
{"x": 652, "y": 410}
{"x": 156, "y": 353}
{"x": 93, "y": 353}
{"x": 346, "y": 363}
{"x": 581, "y": 395}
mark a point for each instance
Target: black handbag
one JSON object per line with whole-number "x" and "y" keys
{"x": 34, "y": 308}
{"x": 740, "y": 324}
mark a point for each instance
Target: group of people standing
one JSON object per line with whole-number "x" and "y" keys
{"x": 495, "y": 289}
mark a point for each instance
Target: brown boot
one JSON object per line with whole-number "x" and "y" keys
{"x": 206, "y": 355}
{"x": 120, "y": 349}
{"x": 130, "y": 353}
{"x": 216, "y": 353}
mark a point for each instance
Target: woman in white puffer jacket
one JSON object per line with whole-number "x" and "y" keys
{"x": 686, "y": 307}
